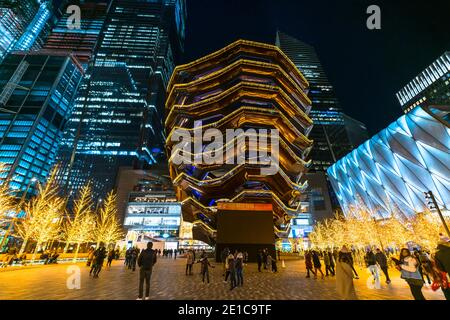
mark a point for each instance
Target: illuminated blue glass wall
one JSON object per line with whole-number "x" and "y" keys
{"x": 23, "y": 24}
{"x": 391, "y": 171}
{"x": 36, "y": 95}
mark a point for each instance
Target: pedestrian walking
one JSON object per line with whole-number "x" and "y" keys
{"x": 382, "y": 261}
{"x": 146, "y": 261}
{"x": 317, "y": 265}
{"x": 189, "y": 262}
{"x": 425, "y": 263}
{"x": 259, "y": 259}
{"x": 205, "y": 264}
{"x": 309, "y": 264}
{"x": 239, "y": 265}
{"x": 133, "y": 259}
{"x": 409, "y": 268}
{"x": 371, "y": 264}
{"x": 231, "y": 271}
{"x": 327, "y": 262}
{"x": 274, "y": 265}
{"x": 264, "y": 256}
{"x": 99, "y": 259}
{"x": 111, "y": 255}
{"x": 344, "y": 275}
{"x": 90, "y": 256}
{"x": 223, "y": 258}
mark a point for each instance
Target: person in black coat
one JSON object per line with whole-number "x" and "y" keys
{"x": 259, "y": 259}
{"x": 317, "y": 264}
{"x": 381, "y": 259}
{"x": 146, "y": 261}
{"x": 99, "y": 258}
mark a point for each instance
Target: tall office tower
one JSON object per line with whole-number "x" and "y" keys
{"x": 235, "y": 96}
{"x": 79, "y": 42}
{"x": 36, "y": 95}
{"x": 431, "y": 86}
{"x": 118, "y": 116}
{"x": 333, "y": 132}
{"x": 23, "y": 24}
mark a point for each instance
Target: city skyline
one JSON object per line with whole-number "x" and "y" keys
{"x": 359, "y": 62}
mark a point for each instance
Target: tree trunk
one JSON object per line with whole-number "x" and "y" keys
{"x": 35, "y": 251}
{"x": 76, "y": 252}
{"x": 66, "y": 247}
{"x": 24, "y": 246}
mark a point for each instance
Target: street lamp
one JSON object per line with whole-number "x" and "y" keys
{"x": 19, "y": 206}
{"x": 432, "y": 204}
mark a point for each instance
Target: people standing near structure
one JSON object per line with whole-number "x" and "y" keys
{"x": 409, "y": 268}
{"x": 317, "y": 265}
{"x": 371, "y": 264}
{"x": 382, "y": 261}
{"x": 231, "y": 271}
{"x": 189, "y": 262}
{"x": 111, "y": 255}
{"x": 239, "y": 265}
{"x": 309, "y": 264}
{"x": 223, "y": 258}
{"x": 146, "y": 261}
{"x": 99, "y": 259}
{"x": 327, "y": 262}
{"x": 344, "y": 275}
{"x": 205, "y": 264}
{"x": 259, "y": 259}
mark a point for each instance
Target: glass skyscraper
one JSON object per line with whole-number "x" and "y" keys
{"x": 118, "y": 117}
{"x": 431, "y": 86}
{"x": 23, "y": 24}
{"x": 334, "y": 133}
{"x": 80, "y": 42}
{"x": 36, "y": 97}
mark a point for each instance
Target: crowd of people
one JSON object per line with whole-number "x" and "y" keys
{"x": 417, "y": 267}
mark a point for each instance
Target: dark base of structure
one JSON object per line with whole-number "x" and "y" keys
{"x": 247, "y": 231}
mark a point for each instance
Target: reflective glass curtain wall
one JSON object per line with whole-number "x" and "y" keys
{"x": 36, "y": 96}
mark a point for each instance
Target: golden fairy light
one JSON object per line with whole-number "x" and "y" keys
{"x": 43, "y": 215}
{"x": 108, "y": 229}
{"x": 80, "y": 226}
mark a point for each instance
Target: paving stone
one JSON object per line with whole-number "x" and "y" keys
{"x": 170, "y": 283}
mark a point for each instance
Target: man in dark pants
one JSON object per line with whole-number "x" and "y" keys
{"x": 259, "y": 259}
{"x": 381, "y": 259}
{"x": 146, "y": 260}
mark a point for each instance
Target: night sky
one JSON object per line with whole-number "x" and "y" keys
{"x": 366, "y": 67}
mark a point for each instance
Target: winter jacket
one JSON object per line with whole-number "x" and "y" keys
{"x": 442, "y": 257}
{"x": 147, "y": 259}
{"x": 381, "y": 259}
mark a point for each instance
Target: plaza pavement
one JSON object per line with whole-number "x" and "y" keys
{"x": 169, "y": 282}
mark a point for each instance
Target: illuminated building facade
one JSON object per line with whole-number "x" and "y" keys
{"x": 152, "y": 211}
{"x": 23, "y": 24}
{"x": 246, "y": 85}
{"x": 36, "y": 97}
{"x": 118, "y": 116}
{"x": 79, "y": 42}
{"x": 430, "y": 87}
{"x": 390, "y": 172}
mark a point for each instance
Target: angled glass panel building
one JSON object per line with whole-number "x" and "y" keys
{"x": 36, "y": 98}
{"x": 391, "y": 171}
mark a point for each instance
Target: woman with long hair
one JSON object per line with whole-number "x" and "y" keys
{"x": 409, "y": 268}
{"x": 344, "y": 275}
